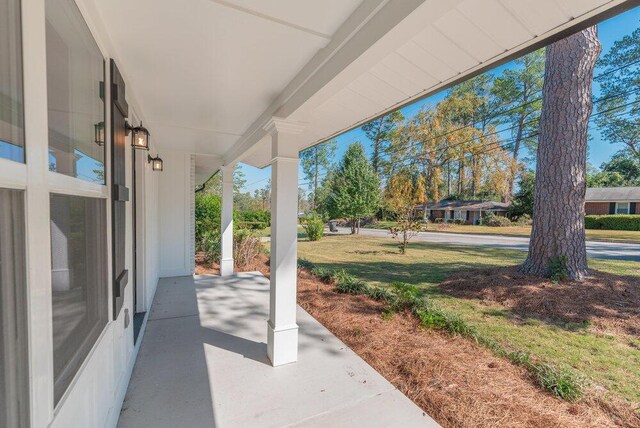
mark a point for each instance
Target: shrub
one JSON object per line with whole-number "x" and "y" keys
{"x": 406, "y": 295}
{"x": 254, "y": 219}
{"x": 314, "y": 226}
{"x": 438, "y": 220}
{"x": 347, "y": 283}
{"x": 493, "y": 220}
{"x": 558, "y": 270}
{"x": 246, "y": 248}
{"x": 207, "y": 216}
{"x": 380, "y": 293}
{"x": 458, "y": 221}
{"x": 210, "y": 244}
{"x": 305, "y": 264}
{"x": 524, "y": 220}
{"x": 613, "y": 222}
{"x": 592, "y": 222}
{"x": 324, "y": 274}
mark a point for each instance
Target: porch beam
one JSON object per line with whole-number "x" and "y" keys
{"x": 226, "y": 223}
{"x": 369, "y": 23}
{"x": 282, "y": 330}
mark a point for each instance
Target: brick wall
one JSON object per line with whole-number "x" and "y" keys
{"x": 596, "y": 208}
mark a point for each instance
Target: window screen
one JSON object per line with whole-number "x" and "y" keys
{"x": 11, "y": 109}
{"x": 78, "y": 280}
{"x": 13, "y": 334}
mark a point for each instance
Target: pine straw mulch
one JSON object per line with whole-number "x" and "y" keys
{"x": 454, "y": 380}
{"x": 606, "y": 302}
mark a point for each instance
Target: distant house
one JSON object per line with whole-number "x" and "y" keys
{"x": 612, "y": 200}
{"x": 469, "y": 211}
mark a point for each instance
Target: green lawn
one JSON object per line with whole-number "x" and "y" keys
{"x": 593, "y": 235}
{"x": 613, "y": 362}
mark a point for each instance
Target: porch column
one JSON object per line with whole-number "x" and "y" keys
{"x": 226, "y": 224}
{"x": 282, "y": 330}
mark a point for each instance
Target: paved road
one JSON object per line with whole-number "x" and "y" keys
{"x": 596, "y": 249}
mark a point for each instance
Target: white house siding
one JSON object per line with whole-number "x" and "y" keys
{"x": 175, "y": 208}
{"x": 95, "y": 397}
{"x": 192, "y": 215}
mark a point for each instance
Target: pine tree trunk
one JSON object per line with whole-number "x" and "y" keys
{"x": 558, "y": 214}
{"x": 448, "y": 178}
{"x": 315, "y": 182}
{"x": 516, "y": 154}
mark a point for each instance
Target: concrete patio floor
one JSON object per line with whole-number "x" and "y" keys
{"x": 203, "y": 363}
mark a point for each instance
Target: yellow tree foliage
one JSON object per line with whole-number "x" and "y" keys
{"x": 403, "y": 192}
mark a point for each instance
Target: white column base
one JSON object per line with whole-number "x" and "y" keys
{"x": 226, "y": 267}
{"x": 282, "y": 344}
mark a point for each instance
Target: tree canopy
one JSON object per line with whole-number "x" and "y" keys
{"x": 619, "y": 108}
{"x": 317, "y": 161}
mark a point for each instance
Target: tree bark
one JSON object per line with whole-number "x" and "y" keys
{"x": 516, "y": 154}
{"x": 558, "y": 216}
{"x": 315, "y": 181}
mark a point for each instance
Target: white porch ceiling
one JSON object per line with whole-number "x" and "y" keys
{"x": 204, "y": 70}
{"x": 209, "y": 74}
{"x": 443, "y": 45}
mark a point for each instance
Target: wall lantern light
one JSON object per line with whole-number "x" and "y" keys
{"x": 139, "y": 137}
{"x": 156, "y": 163}
{"x": 99, "y": 133}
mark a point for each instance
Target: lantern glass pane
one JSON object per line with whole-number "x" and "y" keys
{"x": 140, "y": 139}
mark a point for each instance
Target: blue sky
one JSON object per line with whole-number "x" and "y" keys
{"x": 599, "y": 150}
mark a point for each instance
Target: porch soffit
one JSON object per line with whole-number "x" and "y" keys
{"x": 438, "y": 44}
{"x": 210, "y": 75}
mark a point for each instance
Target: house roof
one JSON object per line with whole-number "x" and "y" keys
{"x": 486, "y": 206}
{"x": 449, "y": 204}
{"x": 612, "y": 194}
{"x": 469, "y": 205}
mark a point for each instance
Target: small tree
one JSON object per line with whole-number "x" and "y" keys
{"x": 402, "y": 194}
{"x": 354, "y": 188}
{"x": 313, "y": 224}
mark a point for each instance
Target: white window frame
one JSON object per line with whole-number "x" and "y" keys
{"x": 459, "y": 215}
{"x": 38, "y": 182}
{"x": 619, "y": 206}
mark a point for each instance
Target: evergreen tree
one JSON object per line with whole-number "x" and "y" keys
{"x": 315, "y": 161}
{"x": 354, "y": 188}
{"x": 523, "y": 198}
{"x": 380, "y": 131}
{"x": 519, "y": 90}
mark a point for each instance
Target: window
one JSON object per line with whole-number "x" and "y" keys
{"x": 78, "y": 281}
{"x": 622, "y": 207}
{"x": 75, "y": 75}
{"x": 11, "y": 111}
{"x": 13, "y": 337}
